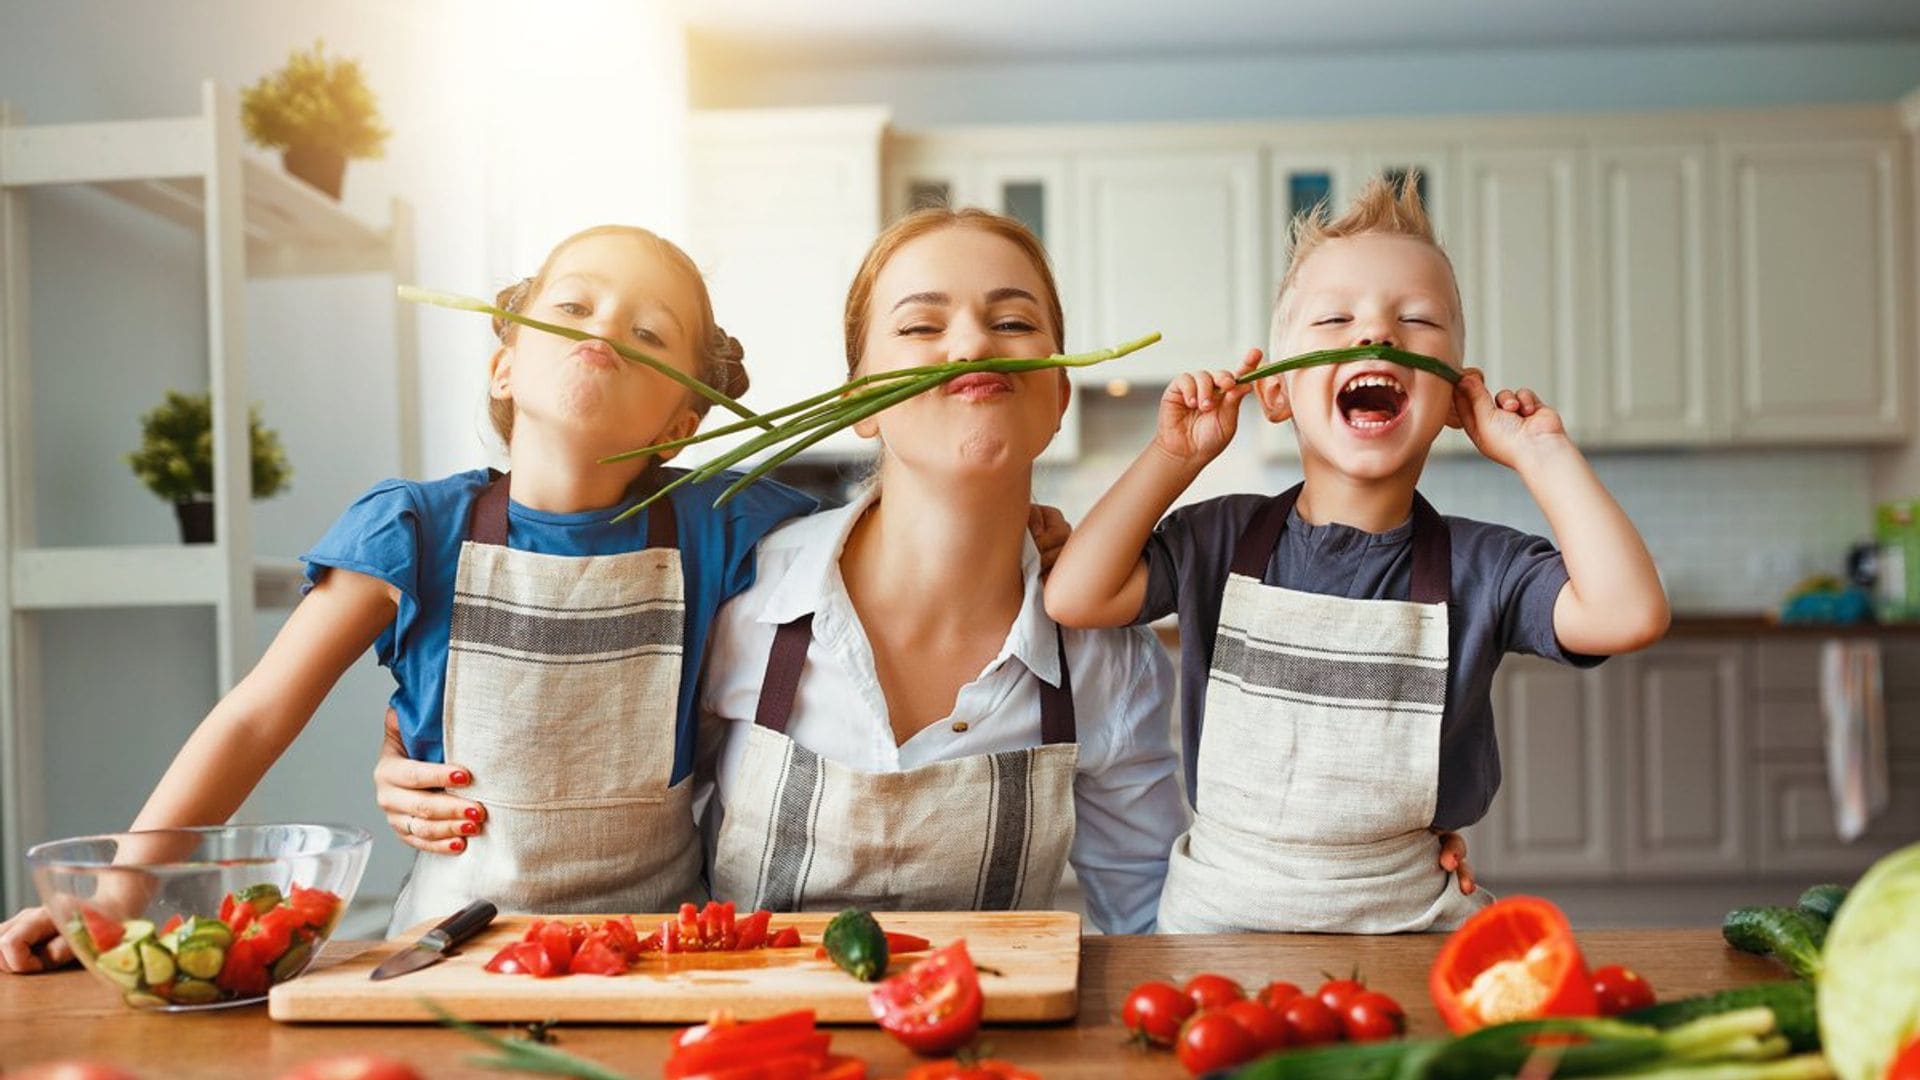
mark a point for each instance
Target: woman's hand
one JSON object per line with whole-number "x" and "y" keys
{"x": 1050, "y": 532}
{"x": 29, "y": 943}
{"x": 1200, "y": 412}
{"x": 413, "y": 794}
{"x": 1453, "y": 859}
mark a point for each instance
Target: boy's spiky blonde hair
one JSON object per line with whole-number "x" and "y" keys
{"x": 1384, "y": 207}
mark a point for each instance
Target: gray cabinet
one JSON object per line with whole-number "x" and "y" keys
{"x": 1553, "y": 816}
{"x": 1683, "y": 759}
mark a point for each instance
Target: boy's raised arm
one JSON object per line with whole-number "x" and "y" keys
{"x": 1612, "y": 602}
{"x": 1101, "y": 577}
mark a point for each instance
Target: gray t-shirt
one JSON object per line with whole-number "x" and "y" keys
{"x": 1504, "y": 586}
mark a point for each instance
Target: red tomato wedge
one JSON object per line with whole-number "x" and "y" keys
{"x": 934, "y": 1007}
{"x": 105, "y": 933}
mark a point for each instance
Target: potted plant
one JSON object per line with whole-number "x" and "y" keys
{"x": 317, "y": 110}
{"x": 175, "y": 460}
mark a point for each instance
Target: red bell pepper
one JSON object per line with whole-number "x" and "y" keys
{"x": 1514, "y": 960}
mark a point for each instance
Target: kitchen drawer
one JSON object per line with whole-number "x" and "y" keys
{"x": 1795, "y": 833}
{"x": 1793, "y": 724}
{"x": 1795, "y": 665}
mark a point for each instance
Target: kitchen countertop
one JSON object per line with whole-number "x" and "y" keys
{"x": 72, "y": 1014}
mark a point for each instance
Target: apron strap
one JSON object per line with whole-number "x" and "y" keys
{"x": 1432, "y": 546}
{"x": 781, "y": 686}
{"x": 488, "y": 522}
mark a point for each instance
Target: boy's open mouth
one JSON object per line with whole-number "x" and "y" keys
{"x": 1372, "y": 401}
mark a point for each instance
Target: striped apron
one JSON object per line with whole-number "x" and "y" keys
{"x": 562, "y": 698}
{"x": 1319, "y": 760}
{"x": 983, "y": 833}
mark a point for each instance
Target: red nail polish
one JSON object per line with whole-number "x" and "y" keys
{"x": 469, "y": 828}
{"x": 473, "y": 813}
{"x": 458, "y": 844}
{"x": 460, "y": 778}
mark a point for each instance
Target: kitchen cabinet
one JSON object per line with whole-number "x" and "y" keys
{"x": 1682, "y": 713}
{"x": 1554, "y": 814}
{"x": 1794, "y": 820}
{"x": 1816, "y": 263}
{"x": 1655, "y": 362}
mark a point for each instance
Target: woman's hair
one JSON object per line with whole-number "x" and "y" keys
{"x": 933, "y": 219}
{"x": 717, "y": 355}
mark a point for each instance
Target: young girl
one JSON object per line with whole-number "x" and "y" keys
{"x": 546, "y": 646}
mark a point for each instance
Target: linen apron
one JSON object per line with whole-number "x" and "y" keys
{"x": 562, "y": 698}
{"x": 988, "y": 832}
{"x": 1319, "y": 760}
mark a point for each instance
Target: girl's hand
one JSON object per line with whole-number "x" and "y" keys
{"x": 1200, "y": 412}
{"x": 1050, "y": 532}
{"x": 29, "y": 943}
{"x": 1507, "y": 426}
{"x": 413, "y": 794}
{"x": 1453, "y": 859}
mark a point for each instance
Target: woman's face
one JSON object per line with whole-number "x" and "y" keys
{"x": 962, "y": 293}
{"x": 618, "y": 287}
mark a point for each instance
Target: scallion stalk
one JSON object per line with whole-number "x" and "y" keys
{"x": 1402, "y": 357}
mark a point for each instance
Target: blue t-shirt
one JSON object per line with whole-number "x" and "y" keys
{"x": 408, "y": 534}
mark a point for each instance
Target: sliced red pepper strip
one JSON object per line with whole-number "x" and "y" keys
{"x": 1522, "y": 952}
{"x": 906, "y": 943}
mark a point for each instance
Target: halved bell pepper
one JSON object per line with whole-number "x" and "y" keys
{"x": 1514, "y": 960}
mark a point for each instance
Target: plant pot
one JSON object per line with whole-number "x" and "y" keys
{"x": 196, "y": 520}
{"x": 317, "y": 165}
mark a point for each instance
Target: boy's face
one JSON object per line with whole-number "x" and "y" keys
{"x": 1370, "y": 419}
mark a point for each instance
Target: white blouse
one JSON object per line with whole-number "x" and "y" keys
{"x": 1127, "y": 801}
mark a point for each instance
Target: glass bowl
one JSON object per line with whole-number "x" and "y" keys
{"x": 186, "y": 919}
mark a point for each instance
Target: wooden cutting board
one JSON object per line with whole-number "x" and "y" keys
{"x": 1035, "y": 957}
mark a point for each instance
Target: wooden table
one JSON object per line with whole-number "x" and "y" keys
{"x": 72, "y": 1015}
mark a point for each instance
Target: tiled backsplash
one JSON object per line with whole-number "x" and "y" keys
{"x": 1732, "y": 531}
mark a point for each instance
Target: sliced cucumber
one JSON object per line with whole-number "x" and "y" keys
{"x": 137, "y": 931}
{"x": 123, "y": 959}
{"x": 208, "y": 931}
{"x": 293, "y": 961}
{"x": 263, "y": 897}
{"x": 201, "y": 958}
{"x": 81, "y": 941}
{"x": 156, "y": 963}
{"x": 194, "y": 992}
{"x": 140, "y": 999}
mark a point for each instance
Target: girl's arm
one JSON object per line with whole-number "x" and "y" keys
{"x": 252, "y": 726}
{"x": 1101, "y": 578}
{"x": 1612, "y": 602}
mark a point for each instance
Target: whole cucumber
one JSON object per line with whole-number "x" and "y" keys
{"x": 857, "y": 945}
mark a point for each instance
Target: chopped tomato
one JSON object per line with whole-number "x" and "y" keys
{"x": 598, "y": 956}
{"x": 316, "y": 907}
{"x": 1907, "y": 1065}
{"x": 272, "y": 933}
{"x": 105, "y": 933}
{"x": 1513, "y": 960}
{"x": 934, "y": 1007}
{"x": 906, "y": 943}
{"x": 841, "y": 1067}
{"x": 983, "y": 1069}
{"x": 788, "y": 937}
{"x": 172, "y": 924}
{"x": 557, "y": 940}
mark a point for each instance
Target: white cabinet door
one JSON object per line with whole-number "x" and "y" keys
{"x": 781, "y": 207}
{"x": 1033, "y": 190}
{"x": 1653, "y": 374}
{"x": 1685, "y": 767}
{"x": 1818, "y": 301}
{"x": 1553, "y": 818}
{"x": 1172, "y": 241}
{"x": 1517, "y": 256}
{"x": 1298, "y": 180}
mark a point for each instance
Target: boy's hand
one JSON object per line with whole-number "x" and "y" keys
{"x": 1506, "y": 426}
{"x": 1200, "y": 412}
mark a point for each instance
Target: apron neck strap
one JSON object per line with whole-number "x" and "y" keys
{"x": 781, "y": 686}
{"x": 1432, "y": 546}
{"x": 488, "y": 523}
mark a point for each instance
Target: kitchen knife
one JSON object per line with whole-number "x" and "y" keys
{"x": 435, "y": 943}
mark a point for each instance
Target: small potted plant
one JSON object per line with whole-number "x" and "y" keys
{"x": 175, "y": 460}
{"x": 319, "y": 111}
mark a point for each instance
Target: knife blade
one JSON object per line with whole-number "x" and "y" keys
{"x": 433, "y": 945}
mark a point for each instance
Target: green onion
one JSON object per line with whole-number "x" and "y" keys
{"x": 467, "y": 303}
{"x": 523, "y": 1055}
{"x": 807, "y": 422}
{"x": 1357, "y": 352}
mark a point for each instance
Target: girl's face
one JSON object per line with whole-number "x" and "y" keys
{"x": 1369, "y": 418}
{"x": 963, "y": 293}
{"x": 621, "y": 288}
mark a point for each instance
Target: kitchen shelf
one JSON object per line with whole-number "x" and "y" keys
{"x": 54, "y": 579}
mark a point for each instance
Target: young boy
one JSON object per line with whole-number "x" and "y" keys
{"x": 1339, "y": 640}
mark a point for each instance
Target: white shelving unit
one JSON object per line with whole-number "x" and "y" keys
{"x": 257, "y": 222}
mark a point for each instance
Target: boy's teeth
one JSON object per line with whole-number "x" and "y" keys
{"x": 1360, "y": 381}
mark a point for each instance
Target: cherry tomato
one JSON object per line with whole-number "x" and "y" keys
{"x": 1213, "y": 1040}
{"x": 934, "y": 1007}
{"x": 1335, "y": 993}
{"x": 1310, "y": 1022}
{"x": 1907, "y": 1065}
{"x": 1278, "y": 993}
{"x": 1620, "y": 990}
{"x": 1154, "y": 1012}
{"x": 1263, "y": 1025}
{"x": 1208, "y": 991}
{"x": 1371, "y": 1015}
{"x": 353, "y": 1067}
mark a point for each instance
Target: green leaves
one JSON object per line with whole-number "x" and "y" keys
{"x": 175, "y": 459}
{"x": 314, "y": 102}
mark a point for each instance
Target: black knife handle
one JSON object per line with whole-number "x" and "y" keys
{"x": 466, "y": 922}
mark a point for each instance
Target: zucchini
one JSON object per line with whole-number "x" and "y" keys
{"x": 156, "y": 963}
{"x": 263, "y": 897}
{"x": 1351, "y": 1061}
{"x": 1790, "y": 935}
{"x": 201, "y": 958}
{"x": 1791, "y": 1002}
{"x": 1822, "y": 900}
{"x": 194, "y": 992}
{"x": 141, "y": 999}
{"x": 293, "y": 961}
{"x": 857, "y": 945}
{"x": 211, "y": 931}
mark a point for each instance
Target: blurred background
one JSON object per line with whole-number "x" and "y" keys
{"x": 1691, "y": 225}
